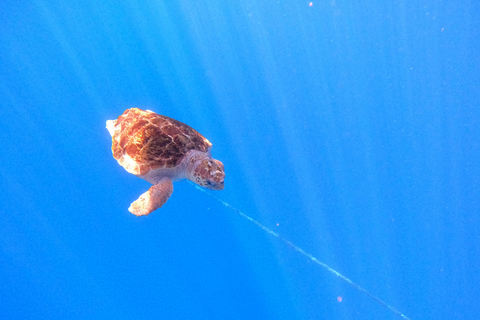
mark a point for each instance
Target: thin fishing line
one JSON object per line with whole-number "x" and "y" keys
{"x": 306, "y": 254}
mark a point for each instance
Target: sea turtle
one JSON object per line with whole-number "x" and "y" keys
{"x": 160, "y": 150}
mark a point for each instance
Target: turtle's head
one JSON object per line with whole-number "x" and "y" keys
{"x": 209, "y": 173}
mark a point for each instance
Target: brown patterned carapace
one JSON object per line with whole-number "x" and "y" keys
{"x": 154, "y": 141}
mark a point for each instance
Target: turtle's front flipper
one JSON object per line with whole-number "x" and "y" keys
{"x": 153, "y": 199}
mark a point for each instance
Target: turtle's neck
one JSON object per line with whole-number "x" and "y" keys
{"x": 192, "y": 159}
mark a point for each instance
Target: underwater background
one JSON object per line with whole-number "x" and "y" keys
{"x": 350, "y": 128}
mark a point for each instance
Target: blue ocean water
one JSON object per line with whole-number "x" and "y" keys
{"x": 349, "y": 128}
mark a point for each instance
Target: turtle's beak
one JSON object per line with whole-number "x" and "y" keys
{"x": 217, "y": 179}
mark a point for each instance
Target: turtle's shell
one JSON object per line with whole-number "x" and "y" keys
{"x": 144, "y": 141}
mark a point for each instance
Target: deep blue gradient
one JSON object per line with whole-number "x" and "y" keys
{"x": 350, "y": 128}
